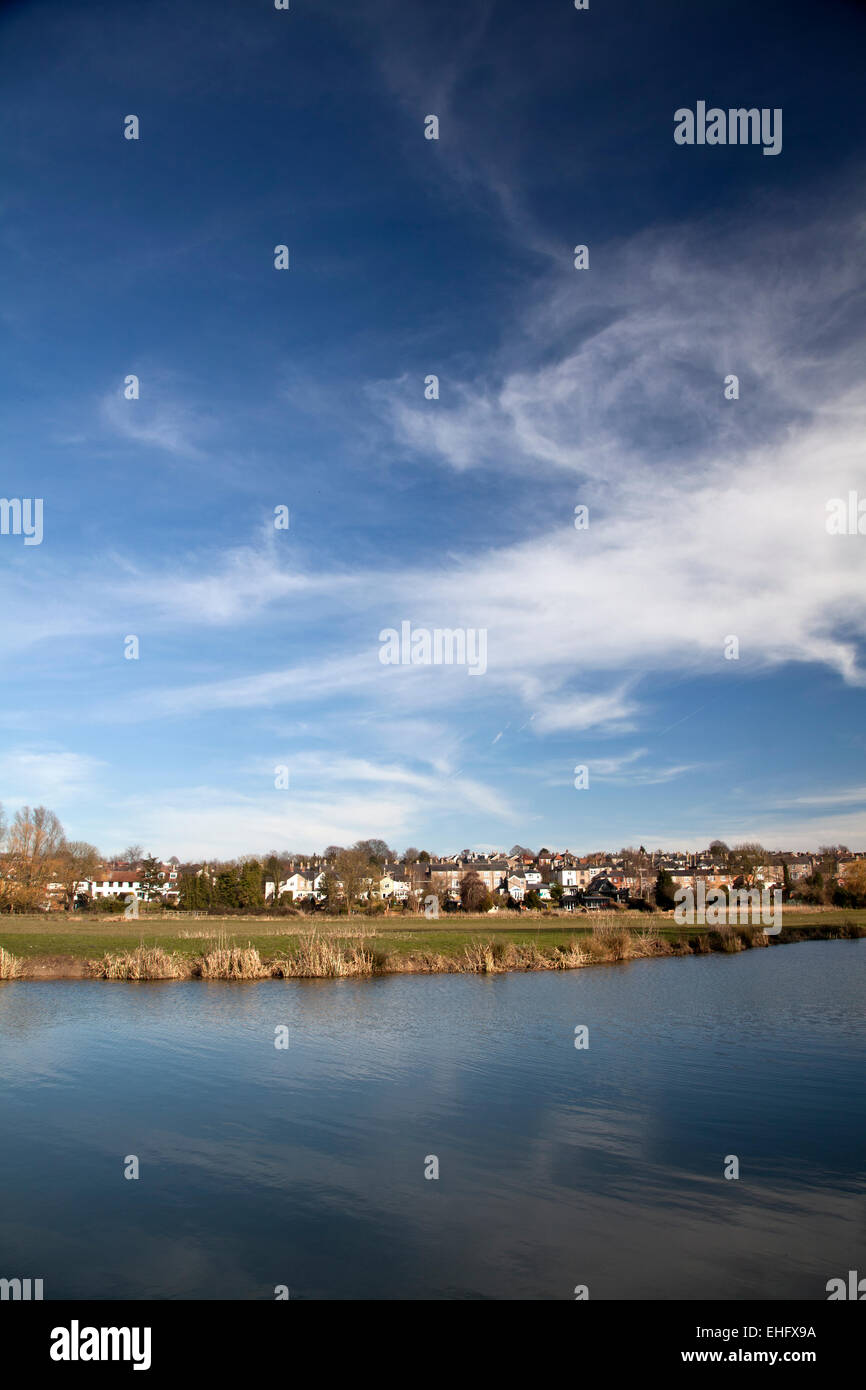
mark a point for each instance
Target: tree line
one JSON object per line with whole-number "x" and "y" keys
{"x": 823, "y": 887}
{"x": 239, "y": 886}
{"x": 34, "y": 852}
{"x": 36, "y": 856}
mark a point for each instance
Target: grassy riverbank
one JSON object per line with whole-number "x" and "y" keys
{"x": 184, "y": 947}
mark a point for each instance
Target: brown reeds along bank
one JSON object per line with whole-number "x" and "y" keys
{"x": 331, "y": 955}
{"x": 142, "y": 963}
{"x": 10, "y": 966}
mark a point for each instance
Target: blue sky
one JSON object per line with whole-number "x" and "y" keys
{"x": 260, "y": 648}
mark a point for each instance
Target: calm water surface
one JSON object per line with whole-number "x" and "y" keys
{"x": 558, "y": 1167}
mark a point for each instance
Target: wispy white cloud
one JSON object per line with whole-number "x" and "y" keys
{"x": 331, "y": 798}
{"x": 612, "y": 710}
{"x": 623, "y": 769}
{"x": 32, "y": 776}
{"x": 247, "y": 581}
{"x": 694, "y": 537}
{"x": 850, "y": 796}
{"x": 158, "y": 419}
{"x": 749, "y": 825}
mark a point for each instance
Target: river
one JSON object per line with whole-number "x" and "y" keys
{"x": 558, "y": 1166}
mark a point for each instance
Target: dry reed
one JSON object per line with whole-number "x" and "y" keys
{"x": 230, "y": 963}
{"x": 10, "y": 966}
{"x": 143, "y": 963}
{"x": 319, "y": 957}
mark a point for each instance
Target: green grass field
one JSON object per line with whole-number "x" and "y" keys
{"x": 58, "y": 936}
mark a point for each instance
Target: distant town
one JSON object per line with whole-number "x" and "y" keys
{"x": 370, "y": 874}
{"x": 41, "y": 870}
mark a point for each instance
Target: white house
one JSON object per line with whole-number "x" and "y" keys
{"x": 517, "y": 885}
{"x": 113, "y": 887}
{"x": 301, "y": 884}
{"x": 125, "y": 880}
{"x": 392, "y": 887}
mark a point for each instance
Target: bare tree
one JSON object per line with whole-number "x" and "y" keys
{"x": 377, "y": 851}
{"x": 474, "y": 897}
{"x": 77, "y": 862}
{"x": 33, "y": 844}
{"x": 745, "y": 860}
{"x": 5, "y": 897}
{"x": 854, "y": 879}
{"x": 637, "y": 864}
{"x": 355, "y": 871}
{"x": 829, "y": 854}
